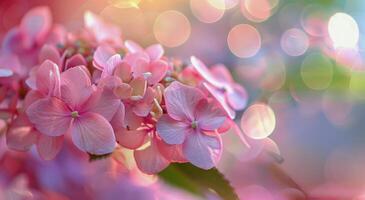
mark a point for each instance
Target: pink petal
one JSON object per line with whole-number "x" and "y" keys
{"x": 101, "y": 56}
{"x": 130, "y": 139}
{"x": 181, "y": 100}
{"x": 158, "y": 69}
{"x": 205, "y": 72}
{"x": 123, "y": 91}
{"x": 173, "y": 153}
{"x": 149, "y": 160}
{"x": 140, "y": 68}
{"x": 50, "y": 116}
{"x": 139, "y": 86}
{"x": 118, "y": 121}
{"x": 37, "y": 23}
{"x": 155, "y": 52}
{"x": 31, "y": 97}
{"x": 226, "y": 126}
{"x": 132, "y": 47}
{"x": 144, "y": 106}
{"x": 132, "y": 120}
{"x": 209, "y": 117}
{"x": 74, "y": 61}
{"x": 102, "y": 101}
{"x": 202, "y": 150}
{"x": 48, "y": 79}
{"x": 124, "y": 72}
{"x": 49, "y": 52}
{"x": 92, "y": 133}
{"x": 237, "y": 97}
{"x": 48, "y": 147}
{"x": 221, "y": 73}
{"x": 111, "y": 64}
{"x": 75, "y": 86}
{"x": 218, "y": 95}
{"x": 21, "y": 135}
{"x": 132, "y": 58}
{"x": 172, "y": 131}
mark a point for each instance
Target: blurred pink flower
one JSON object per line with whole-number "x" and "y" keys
{"x": 230, "y": 95}
{"x": 101, "y": 31}
{"x": 189, "y": 117}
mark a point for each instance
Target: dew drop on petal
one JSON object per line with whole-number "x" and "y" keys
{"x": 294, "y": 42}
{"x": 258, "y": 121}
{"x": 244, "y": 40}
{"x": 316, "y": 71}
{"x": 171, "y": 28}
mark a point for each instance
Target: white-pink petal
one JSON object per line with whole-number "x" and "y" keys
{"x": 155, "y": 52}
{"x": 101, "y": 56}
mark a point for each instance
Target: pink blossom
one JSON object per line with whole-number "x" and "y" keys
{"x": 81, "y": 110}
{"x": 189, "y": 117}
{"x": 221, "y": 86}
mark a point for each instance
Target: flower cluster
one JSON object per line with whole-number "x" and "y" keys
{"x": 95, "y": 91}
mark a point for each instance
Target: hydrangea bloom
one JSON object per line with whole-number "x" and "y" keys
{"x": 93, "y": 91}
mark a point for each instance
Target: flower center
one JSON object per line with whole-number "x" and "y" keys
{"x": 74, "y": 114}
{"x": 194, "y": 124}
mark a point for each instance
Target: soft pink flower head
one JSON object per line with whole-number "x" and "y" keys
{"x": 221, "y": 86}
{"x": 82, "y": 110}
{"x": 188, "y": 120}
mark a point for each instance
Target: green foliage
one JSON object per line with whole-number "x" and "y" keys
{"x": 198, "y": 181}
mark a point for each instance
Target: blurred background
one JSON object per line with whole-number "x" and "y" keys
{"x": 304, "y": 58}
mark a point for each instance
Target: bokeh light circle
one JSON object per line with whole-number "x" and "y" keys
{"x": 244, "y": 40}
{"x": 314, "y": 20}
{"x": 223, "y": 4}
{"x": 258, "y": 121}
{"x": 205, "y": 12}
{"x": 316, "y": 71}
{"x": 171, "y": 28}
{"x": 258, "y": 10}
{"x": 343, "y": 31}
{"x": 294, "y": 42}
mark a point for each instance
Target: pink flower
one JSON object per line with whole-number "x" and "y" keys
{"x": 146, "y": 62}
{"x": 35, "y": 29}
{"x": 81, "y": 110}
{"x": 190, "y": 116}
{"x": 22, "y": 134}
{"x": 230, "y": 95}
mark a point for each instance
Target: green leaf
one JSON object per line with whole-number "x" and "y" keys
{"x": 198, "y": 181}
